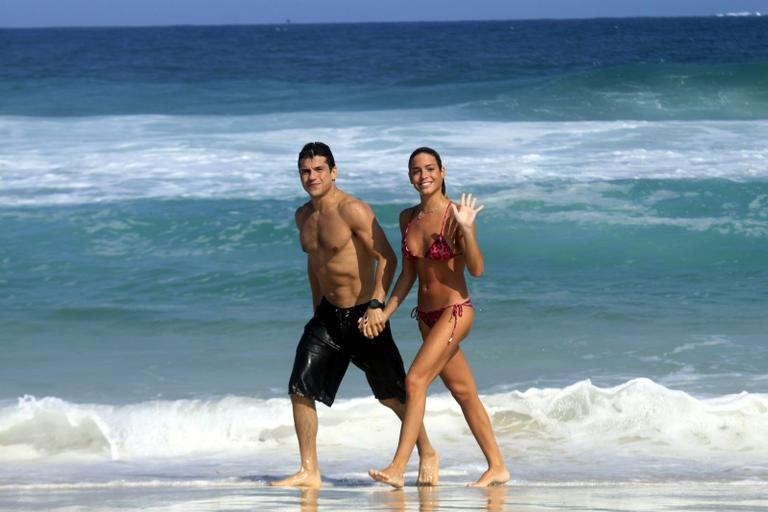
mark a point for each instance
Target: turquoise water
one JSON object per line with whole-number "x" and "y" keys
{"x": 607, "y": 286}
{"x": 152, "y": 289}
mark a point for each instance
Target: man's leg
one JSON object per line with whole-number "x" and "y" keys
{"x": 318, "y": 369}
{"x": 429, "y": 460}
{"x": 305, "y": 422}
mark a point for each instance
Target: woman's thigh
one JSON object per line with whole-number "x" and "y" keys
{"x": 458, "y": 378}
{"x": 436, "y": 351}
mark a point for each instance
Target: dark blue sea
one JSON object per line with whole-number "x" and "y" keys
{"x": 152, "y": 288}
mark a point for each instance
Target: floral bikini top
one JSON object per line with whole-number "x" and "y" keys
{"x": 438, "y": 251}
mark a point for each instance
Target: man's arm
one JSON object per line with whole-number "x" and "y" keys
{"x": 386, "y": 262}
{"x": 299, "y": 218}
{"x": 366, "y": 228}
{"x": 404, "y": 282}
{"x": 314, "y": 285}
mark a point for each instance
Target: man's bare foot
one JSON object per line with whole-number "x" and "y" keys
{"x": 302, "y": 478}
{"x": 494, "y": 476}
{"x": 429, "y": 467}
{"x": 388, "y": 476}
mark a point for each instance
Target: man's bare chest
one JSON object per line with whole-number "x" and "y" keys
{"x": 325, "y": 237}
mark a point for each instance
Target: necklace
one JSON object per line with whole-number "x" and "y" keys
{"x": 423, "y": 211}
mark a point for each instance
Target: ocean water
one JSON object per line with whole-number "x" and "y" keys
{"x": 152, "y": 289}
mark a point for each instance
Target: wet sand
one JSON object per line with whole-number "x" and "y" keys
{"x": 673, "y": 496}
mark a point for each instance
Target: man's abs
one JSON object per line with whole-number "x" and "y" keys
{"x": 345, "y": 279}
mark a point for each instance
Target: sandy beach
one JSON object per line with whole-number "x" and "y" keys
{"x": 688, "y": 496}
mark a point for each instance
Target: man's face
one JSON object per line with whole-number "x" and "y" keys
{"x": 316, "y": 177}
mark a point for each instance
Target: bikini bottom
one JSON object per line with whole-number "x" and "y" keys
{"x": 430, "y": 318}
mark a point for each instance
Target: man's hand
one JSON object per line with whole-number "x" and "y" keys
{"x": 372, "y": 323}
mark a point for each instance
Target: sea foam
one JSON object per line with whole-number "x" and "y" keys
{"x": 639, "y": 418}
{"x": 113, "y": 158}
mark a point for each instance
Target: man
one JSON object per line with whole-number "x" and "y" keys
{"x": 350, "y": 266}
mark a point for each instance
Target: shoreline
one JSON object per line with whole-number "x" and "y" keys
{"x": 618, "y": 496}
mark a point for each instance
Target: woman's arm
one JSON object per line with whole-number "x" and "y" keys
{"x": 407, "y": 272}
{"x": 402, "y": 287}
{"x": 465, "y": 215}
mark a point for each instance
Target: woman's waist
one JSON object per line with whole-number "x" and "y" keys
{"x": 434, "y": 298}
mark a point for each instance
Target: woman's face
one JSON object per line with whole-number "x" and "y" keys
{"x": 425, "y": 174}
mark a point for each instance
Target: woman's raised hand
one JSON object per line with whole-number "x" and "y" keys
{"x": 466, "y": 212}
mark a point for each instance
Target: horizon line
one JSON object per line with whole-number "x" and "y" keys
{"x": 288, "y": 21}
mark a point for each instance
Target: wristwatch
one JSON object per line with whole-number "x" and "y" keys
{"x": 375, "y": 304}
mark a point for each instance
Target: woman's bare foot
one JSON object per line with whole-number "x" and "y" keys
{"x": 494, "y": 476}
{"x": 302, "y": 478}
{"x": 429, "y": 466}
{"x": 388, "y": 476}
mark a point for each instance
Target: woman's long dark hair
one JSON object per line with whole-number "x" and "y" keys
{"x": 429, "y": 151}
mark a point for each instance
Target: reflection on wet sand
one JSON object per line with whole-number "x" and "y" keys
{"x": 309, "y": 500}
{"x": 607, "y": 497}
{"x": 495, "y": 497}
{"x": 428, "y": 498}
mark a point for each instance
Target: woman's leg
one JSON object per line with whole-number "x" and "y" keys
{"x": 459, "y": 380}
{"x": 433, "y": 355}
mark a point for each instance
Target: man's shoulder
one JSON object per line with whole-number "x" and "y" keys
{"x": 351, "y": 208}
{"x": 303, "y": 212}
{"x": 304, "y": 209}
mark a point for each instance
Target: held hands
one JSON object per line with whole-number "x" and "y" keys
{"x": 372, "y": 323}
{"x": 466, "y": 212}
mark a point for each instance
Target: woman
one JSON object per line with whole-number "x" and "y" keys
{"x": 438, "y": 243}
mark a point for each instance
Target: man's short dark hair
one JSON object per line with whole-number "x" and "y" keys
{"x": 313, "y": 149}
